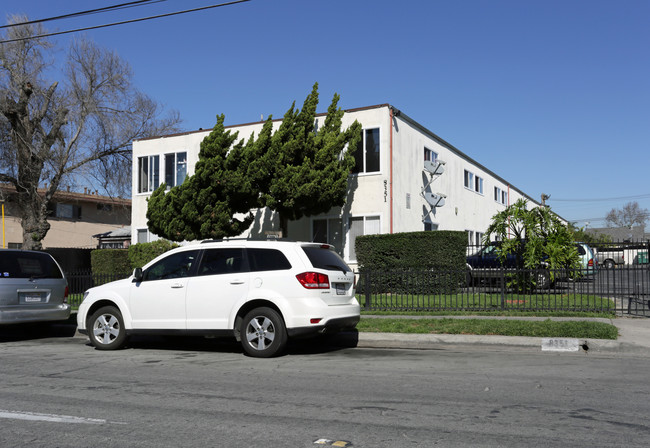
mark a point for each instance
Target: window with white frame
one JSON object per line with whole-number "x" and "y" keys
{"x": 358, "y": 226}
{"x": 474, "y": 238}
{"x": 148, "y": 173}
{"x": 469, "y": 179}
{"x": 473, "y": 182}
{"x": 430, "y": 155}
{"x": 142, "y": 236}
{"x": 500, "y": 196}
{"x": 145, "y": 236}
{"x": 175, "y": 168}
{"x": 329, "y": 231}
{"x": 367, "y": 154}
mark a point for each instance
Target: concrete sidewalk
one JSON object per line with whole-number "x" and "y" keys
{"x": 634, "y": 337}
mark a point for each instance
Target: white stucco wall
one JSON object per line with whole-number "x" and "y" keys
{"x": 464, "y": 209}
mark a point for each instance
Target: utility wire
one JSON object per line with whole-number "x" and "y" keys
{"x": 123, "y": 22}
{"x": 87, "y": 12}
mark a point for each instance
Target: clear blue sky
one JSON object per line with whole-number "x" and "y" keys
{"x": 553, "y": 95}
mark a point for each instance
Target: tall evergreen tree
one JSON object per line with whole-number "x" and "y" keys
{"x": 298, "y": 170}
{"x": 309, "y": 166}
{"x": 204, "y": 206}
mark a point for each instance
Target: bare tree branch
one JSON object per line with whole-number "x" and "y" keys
{"x": 53, "y": 132}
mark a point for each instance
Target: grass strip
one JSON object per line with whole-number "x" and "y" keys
{"x": 511, "y": 313}
{"x": 546, "y": 328}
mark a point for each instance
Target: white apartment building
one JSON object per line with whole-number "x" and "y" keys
{"x": 406, "y": 179}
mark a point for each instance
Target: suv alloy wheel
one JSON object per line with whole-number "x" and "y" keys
{"x": 264, "y": 334}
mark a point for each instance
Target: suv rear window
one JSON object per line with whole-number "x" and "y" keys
{"x": 267, "y": 260}
{"x": 322, "y": 257}
{"x": 28, "y": 265}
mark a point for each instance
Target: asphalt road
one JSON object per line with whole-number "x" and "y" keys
{"x": 57, "y": 391}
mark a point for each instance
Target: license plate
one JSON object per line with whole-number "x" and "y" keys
{"x": 340, "y": 289}
{"x": 32, "y": 298}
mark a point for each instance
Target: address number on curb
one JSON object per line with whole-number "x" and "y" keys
{"x": 560, "y": 345}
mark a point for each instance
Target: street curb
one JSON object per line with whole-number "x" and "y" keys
{"x": 450, "y": 341}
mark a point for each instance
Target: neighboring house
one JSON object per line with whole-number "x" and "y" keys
{"x": 74, "y": 218}
{"x": 114, "y": 239}
{"x": 406, "y": 179}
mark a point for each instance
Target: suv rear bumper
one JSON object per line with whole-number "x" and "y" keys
{"x": 332, "y": 326}
{"x": 21, "y": 315}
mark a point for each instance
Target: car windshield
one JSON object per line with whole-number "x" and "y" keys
{"x": 28, "y": 265}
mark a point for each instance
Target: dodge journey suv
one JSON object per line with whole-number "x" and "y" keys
{"x": 260, "y": 292}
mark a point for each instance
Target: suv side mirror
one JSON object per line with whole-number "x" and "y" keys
{"x": 137, "y": 275}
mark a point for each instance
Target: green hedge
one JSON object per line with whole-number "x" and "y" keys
{"x": 142, "y": 253}
{"x": 123, "y": 261}
{"x": 109, "y": 261}
{"x": 417, "y": 262}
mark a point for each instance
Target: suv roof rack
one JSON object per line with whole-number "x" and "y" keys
{"x": 268, "y": 238}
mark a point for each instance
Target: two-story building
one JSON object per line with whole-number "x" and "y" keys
{"x": 406, "y": 179}
{"x": 74, "y": 218}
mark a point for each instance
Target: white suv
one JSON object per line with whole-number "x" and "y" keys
{"x": 261, "y": 292}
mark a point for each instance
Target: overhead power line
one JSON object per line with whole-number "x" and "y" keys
{"x": 124, "y": 22}
{"x": 87, "y": 12}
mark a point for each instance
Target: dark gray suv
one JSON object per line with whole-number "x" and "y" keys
{"x": 32, "y": 288}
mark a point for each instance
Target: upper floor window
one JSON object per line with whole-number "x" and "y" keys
{"x": 65, "y": 211}
{"x": 148, "y": 173}
{"x": 430, "y": 155}
{"x": 366, "y": 156}
{"x": 500, "y": 196}
{"x": 175, "y": 168}
{"x": 473, "y": 182}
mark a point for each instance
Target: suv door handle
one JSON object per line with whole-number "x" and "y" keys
{"x": 177, "y": 285}
{"x": 237, "y": 282}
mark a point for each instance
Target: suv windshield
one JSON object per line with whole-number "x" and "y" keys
{"x": 322, "y": 257}
{"x": 28, "y": 265}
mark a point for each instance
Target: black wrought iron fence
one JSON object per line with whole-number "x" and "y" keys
{"x": 80, "y": 280}
{"x": 623, "y": 290}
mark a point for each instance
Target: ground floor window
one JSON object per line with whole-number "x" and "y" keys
{"x": 142, "y": 236}
{"x": 474, "y": 238}
{"x": 430, "y": 226}
{"x": 358, "y": 226}
{"x": 329, "y": 231}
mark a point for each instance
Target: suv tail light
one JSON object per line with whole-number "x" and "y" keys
{"x": 314, "y": 280}
{"x": 590, "y": 263}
